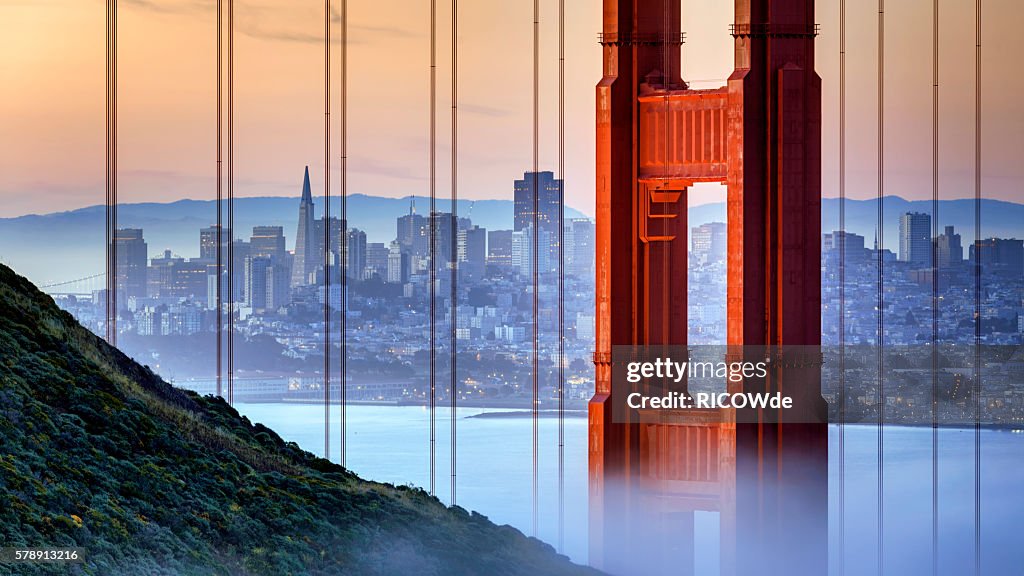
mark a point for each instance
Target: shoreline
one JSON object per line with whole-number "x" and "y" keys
{"x": 510, "y": 407}
{"x": 511, "y": 410}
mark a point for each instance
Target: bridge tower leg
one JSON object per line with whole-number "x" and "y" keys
{"x": 774, "y": 280}
{"x": 639, "y": 44}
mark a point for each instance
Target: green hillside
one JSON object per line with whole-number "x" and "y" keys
{"x": 98, "y": 452}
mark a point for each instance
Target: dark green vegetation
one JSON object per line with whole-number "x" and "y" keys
{"x": 98, "y": 452}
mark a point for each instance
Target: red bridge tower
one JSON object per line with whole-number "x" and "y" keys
{"x": 760, "y": 135}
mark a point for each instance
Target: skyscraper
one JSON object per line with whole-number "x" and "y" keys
{"x": 208, "y": 242}
{"x": 549, "y": 204}
{"x": 305, "y": 261}
{"x": 412, "y": 232}
{"x": 256, "y": 282}
{"x": 398, "y": 264}
{"x": 376, "y": 260}
{"x": 268, "y": 241}
{"x": 337, "y": 225}
{"x": 355, "y": 258}
{"x": 579, "y": 248}
{"x": 130, "y": 264}
{"x": 266, "y": 283}
{"x": 159, "y": 273}
{"x": 240, "y": 251}
{"x": 279, "y": 292}
{"x": 949, "y": 250}
{"x": 499, "y": 247}
{"x": 173, "y": 277}
{"x": 443, "y": 223}
{"x": 549, "y": 201}
{"x": 522, "y": 251}
{"x": 853, "y": 244}
{"x": 916, "y": 238}
{"x": 709, "y": 242}
{"x": 1000, "y": 256}
{"x": 472, "y": 251}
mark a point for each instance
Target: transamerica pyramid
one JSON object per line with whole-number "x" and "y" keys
{"x": 305, "y": 261}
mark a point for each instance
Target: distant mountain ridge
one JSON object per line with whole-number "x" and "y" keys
{"x": 66, "y": 245}
{"x": 999, "y": 218}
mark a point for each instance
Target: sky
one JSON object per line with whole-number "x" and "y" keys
{"x": 52, "y": 109}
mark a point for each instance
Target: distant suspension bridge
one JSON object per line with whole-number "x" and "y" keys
{"x": 84, "y": 286}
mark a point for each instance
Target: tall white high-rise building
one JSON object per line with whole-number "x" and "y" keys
{"x": 579, "y": 248}
{"x": 523, "y": 253}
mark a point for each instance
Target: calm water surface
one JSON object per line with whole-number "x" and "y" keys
{"x": 494, "y": 477}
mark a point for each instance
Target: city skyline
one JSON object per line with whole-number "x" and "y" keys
{"x": 167, "y": 304}
{"x": 405, "y": 258}
{"x": 266, "y": 256}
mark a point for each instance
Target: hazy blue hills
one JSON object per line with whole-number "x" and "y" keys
{"x": 998, "y": 218}
{"x": 100, "y": 453}
{"x": 65, "y": 245}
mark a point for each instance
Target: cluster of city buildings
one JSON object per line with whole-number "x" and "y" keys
{"x": 268, "y": 277}
{"x": 927, "y": 302}
{"x": 923, "y": 261}
{"x": 279, "y": 294}
{"x": 277, "y": 288}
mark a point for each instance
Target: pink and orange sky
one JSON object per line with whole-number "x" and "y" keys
{"x": 52, "y": 73}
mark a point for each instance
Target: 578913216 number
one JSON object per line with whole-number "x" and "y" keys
{"x": 33, "y": 555}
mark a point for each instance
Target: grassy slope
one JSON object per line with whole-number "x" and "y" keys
{"x": 98, "y": 452}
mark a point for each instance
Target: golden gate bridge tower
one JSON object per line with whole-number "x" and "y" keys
{"x": 760, "y": 135}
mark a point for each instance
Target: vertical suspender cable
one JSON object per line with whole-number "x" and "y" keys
{"x": 108, "y": 237}
{"x": 106, "y": 178}
{"x": 561, "y": 277}
{"x": 535, "y": 268}
{"x": 454, "y": 394}
{"x": 433, "y": 247}
{"x": 977, "y": 289}
{"x": 106, "y": 172}
{"x": 113, "y": 166}
{"x": 327, "y": 229}
{"x": 231, "y": 201}
{"x": 111, "y": 173}
{"x": 842, "y": 290}
{"x": 113, "y": 162}
{"x": 935, "y": 288}
{"x": 881, "y": 283}
{"x": 219, "y": 268}
{"x": 343, "y": 386}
